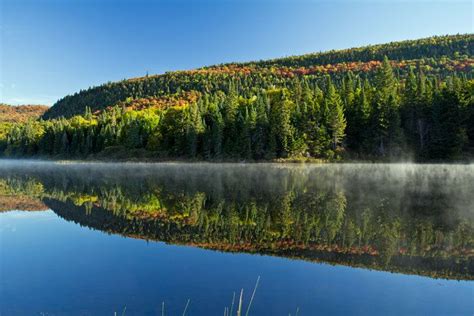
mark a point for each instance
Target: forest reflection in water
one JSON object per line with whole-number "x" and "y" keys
{"x": 414, "y": 219}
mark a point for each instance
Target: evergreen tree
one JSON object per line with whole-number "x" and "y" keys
{"x": 385, "y": 119}
{"x": 448, "y": 137}
{"x": 281, "y": 131}
{"x": 335, "y": 115}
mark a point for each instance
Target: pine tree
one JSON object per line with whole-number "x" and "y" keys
{"x": 335, "y": 115}
{"x": 358, "y": 121}
{"x": 448, "y": 136}
{"x": 230, "y": 109}
{"x": 194, "y": 129}
{"x": 261, "y": 127}
{"x": 214, "y": 134}
{"x": 385, "y": 119}
{"x": 281, "y": 131}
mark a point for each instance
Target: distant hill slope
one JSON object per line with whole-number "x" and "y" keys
{"x": 432, "y": 47}
{"x": 440, "y": 56}
{"x": 20, "y": 113}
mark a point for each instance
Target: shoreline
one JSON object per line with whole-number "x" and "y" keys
{"x": 279, "y": 161}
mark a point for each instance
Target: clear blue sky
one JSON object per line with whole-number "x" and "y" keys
{"x": 51, "y": 48}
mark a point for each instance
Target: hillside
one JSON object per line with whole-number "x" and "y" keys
{"x": 440, "y": 56}
{"x": 20, "y": 113}
{"x": 404, "y": 100}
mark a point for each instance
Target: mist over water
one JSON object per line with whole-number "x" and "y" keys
{"x": 455, "y": 182}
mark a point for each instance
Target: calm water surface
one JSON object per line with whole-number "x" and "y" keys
{"x": 93, "y": 239}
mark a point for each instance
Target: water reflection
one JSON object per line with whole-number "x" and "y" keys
{"x": 414, "y": 219}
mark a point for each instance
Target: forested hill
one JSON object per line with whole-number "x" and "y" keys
{"x": 411, "y": 99}
{"x": 435, "y": 55}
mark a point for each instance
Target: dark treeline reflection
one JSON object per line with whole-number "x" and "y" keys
{"x": 408, "y": 218}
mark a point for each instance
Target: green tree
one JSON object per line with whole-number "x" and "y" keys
{"x": 335, "y": 115}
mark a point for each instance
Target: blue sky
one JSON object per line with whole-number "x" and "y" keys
{"x": 51, "y": 48}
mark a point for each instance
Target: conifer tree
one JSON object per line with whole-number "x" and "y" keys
{"x": 335, "y": 115}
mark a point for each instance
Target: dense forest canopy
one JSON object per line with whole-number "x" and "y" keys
{"x": 411, "y": 99}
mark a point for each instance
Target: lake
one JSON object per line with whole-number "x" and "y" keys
{"x": 335, "y": 239}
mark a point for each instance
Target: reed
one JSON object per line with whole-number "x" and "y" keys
{"x": 253, "y": 295}
{"x": 227, "y": 311}
{"x": 186, "y": 307}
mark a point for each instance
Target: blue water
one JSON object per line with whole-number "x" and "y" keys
{"x": 53, "y": 267}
